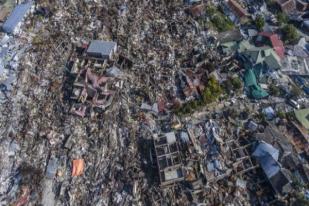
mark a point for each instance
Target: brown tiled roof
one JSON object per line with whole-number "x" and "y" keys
{"x": 237, "y": 9}
{"x": 287, "y": 5}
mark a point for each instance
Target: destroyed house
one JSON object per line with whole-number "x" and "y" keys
{"x": 287, "y": 6}
{"x": 168, "y": 159}
{"x": 102, "y": 49}
{"x": 13, "y": 22}
{"x": 91, "y": 89}
{"x": 302, "y": 5}
{"x": 237, "y": 9}
{"x": 268, "y": 156}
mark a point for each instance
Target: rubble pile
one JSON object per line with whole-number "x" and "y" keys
{"x": 145, "y": 103}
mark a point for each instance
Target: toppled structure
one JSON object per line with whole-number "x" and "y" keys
{"x": 268, "y": 157}
{"x": 89, "y": 89}
{"x": 133, "y": 148}
{"x": 168, "y": 159}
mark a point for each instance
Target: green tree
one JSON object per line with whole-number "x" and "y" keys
{"x": 228, "y": 85}
{"x": 259, "y": 22}
{"x": 210, "y": 67}
{"x": 300, "y": 200}
{"x": 207, "y": 96}
{"x": 218, "y": 20}
{"x": 290, "y": 34}
{"x": 236, "y": 82}
{"x": 281, "y": 114}
{"x": 295, "y": 91}
{"x": 282, "y": 18}
{"x": 274, "y": 90}
{"x": 211, "y": 10}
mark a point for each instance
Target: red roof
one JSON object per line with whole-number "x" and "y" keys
{"x": 277, "y": 44}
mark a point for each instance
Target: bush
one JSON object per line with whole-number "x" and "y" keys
{"x": 281, "y": 114}
{"x": 290, "y": 34}
{"x": 228, "y": 85}
{"x": 211, "y": 10}
{"x": 259, "y": 22}
{"x": 274, "y": 90}
{"x": 295, "y": 91}
{"x": 282, "y": 18}
{"x": 211, "y": 93}
{"x": 236, "y": 82}
{"x": 218, "y": 20}
{"x": 221, "y": 23}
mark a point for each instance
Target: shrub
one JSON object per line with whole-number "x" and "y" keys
{"x": 290, "y": 34}
{"x": 259, "y": 22}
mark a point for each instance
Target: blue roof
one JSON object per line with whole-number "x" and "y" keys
{"x": 267, "y": 156}
{"x": 104, "y": 48}
{"x": 16, "y": 16}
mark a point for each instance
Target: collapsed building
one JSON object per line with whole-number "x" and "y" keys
{"x": 126, "y": 91}
{"x": 168, "y": 159}
{"x": 91, "y": 90}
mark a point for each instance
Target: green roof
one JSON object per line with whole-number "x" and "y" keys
{"x": 302, "y": 116}
{"x": 243, "y": 46}
{"x": 250, "y": 78}
{"x": 255, "y": 91}
{"x": 229, "y": 47}
{"x": 259, "y": 55}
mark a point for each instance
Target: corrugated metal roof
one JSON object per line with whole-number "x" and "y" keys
{"x": 16, "y": 16}
{"x": 101, "y": 47}
{"x": 267, "y": 156}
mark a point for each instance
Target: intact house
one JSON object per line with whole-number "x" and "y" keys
{"x": 102, "y": 49}
{"x": 287, "y": 6}
{"x": 264, "y": 56}
{"x": 257, "y": 61}
{"x": 272, "y": 40}
{"x": 14, "y": 21}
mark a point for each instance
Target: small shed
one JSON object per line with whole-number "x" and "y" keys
{"x": 102, "y": 49}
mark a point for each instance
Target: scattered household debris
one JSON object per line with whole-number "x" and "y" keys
{"x": 152, "y": 103}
